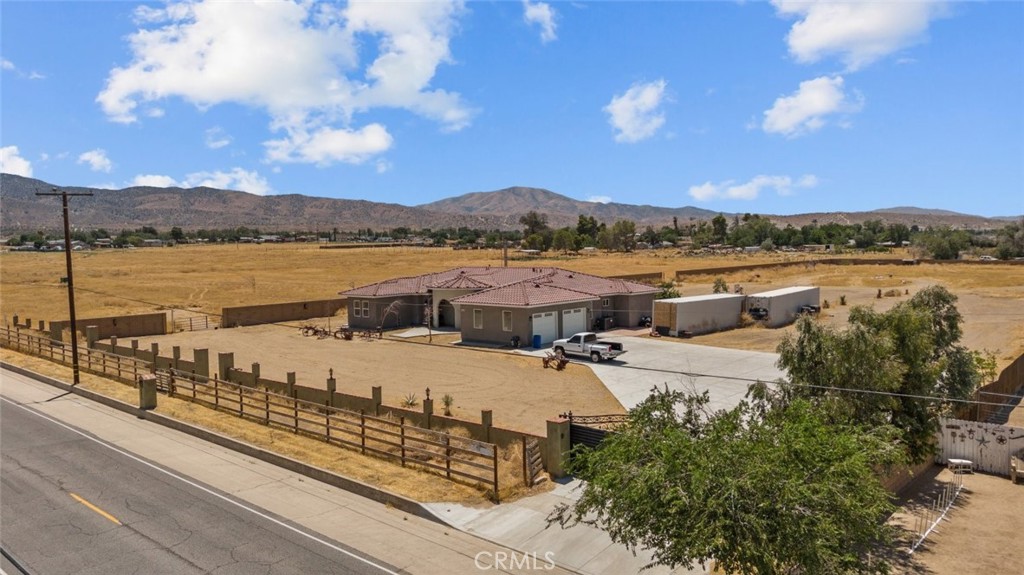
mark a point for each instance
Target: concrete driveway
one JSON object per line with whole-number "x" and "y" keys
{"x": 649, "y": 362}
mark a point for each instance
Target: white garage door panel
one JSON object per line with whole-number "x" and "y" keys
{"x": 546, "y": 325}
{"x": 574, "y": 321}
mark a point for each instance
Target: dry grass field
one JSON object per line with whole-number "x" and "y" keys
{"x": 191, "y": 279}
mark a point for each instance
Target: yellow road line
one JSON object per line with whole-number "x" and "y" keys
{"x": 94, "y": 508}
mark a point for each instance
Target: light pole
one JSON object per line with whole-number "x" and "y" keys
{"x": 71, "y": 278}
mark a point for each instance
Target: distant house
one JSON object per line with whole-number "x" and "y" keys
{"x": 494, "y": 304}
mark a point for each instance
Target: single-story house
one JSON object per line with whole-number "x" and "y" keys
{"x": 496, "y": 304}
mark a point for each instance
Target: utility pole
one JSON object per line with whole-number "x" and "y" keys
{"x": 71, "y": 278}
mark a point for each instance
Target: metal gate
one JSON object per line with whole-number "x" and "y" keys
{"x": 590, "y": 430}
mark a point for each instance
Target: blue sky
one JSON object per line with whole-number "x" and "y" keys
{"x": 773, "y": 108}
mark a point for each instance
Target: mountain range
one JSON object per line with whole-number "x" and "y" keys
{"x": 196, "y": 208}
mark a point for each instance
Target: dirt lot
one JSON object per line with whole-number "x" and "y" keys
{"x": 980, "y": 534}
{"x": 521, "y": 393}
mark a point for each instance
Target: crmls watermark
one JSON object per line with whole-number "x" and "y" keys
{"x": 486, "y": 560}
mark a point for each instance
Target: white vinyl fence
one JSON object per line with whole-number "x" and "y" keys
{"x": 987, "y": 445}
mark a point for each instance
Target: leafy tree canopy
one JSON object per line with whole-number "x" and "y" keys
{"x": 761, "y": 488}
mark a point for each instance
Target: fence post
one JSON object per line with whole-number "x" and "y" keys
{"x": 448, "y": 455}
{"x": 486, "y": 421}
{"x": 526, "y": 479}
{"x": 216, "y": 394}
{"x": 494, "y": 464}
{"x": 241, "y": 402}
{"x": 225, "y": 361}
{"x": 332, "y": 384}
{"x": 295, "y": 413}
{"x": 428, "y": 411}
{"x": 557, "y": 446}
{"x": 92, "y": 335}
{"x": 377, "y": 395}
{"x": 327, "y": 427}
{"x": 176, "y": 357}
{"x": 401, "y": 429}
{"x": 201, "y": 361}
{"x": 362, "y": 430}
{"x": 266, "y": 407}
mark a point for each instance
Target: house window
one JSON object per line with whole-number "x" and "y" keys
{"x": 478, "y": 319}
{"x": 357, "y": 310}
{"x": 506, "y": 321}
{"x": 366, "y": 308}
{"x": 606, "y": 302}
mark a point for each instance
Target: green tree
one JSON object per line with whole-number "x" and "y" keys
{"x": 667, "y": 290}
{"x": 719, "y": 228}
{"x": 587, "y": 227}
{"x": 908, "y": 359}
{"x": 761, "y": 489}
{"x": 534, "y": 223}
{"x": 564, "y": 240}
{"x": 177, "y": 235}
{"x": 624, "y": 235}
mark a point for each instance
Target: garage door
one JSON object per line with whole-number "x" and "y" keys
{"x": 546, "y": 325}
{"x": 574, "y": 321}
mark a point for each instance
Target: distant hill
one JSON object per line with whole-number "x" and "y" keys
{"x": 561, "y": 210}
{"x": 195, "y": 208}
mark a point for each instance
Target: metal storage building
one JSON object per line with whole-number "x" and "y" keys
{"x": 697, "y": 314}
{"x": 784, "y": 304}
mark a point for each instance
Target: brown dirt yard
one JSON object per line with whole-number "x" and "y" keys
{"x": 521, "y": 393}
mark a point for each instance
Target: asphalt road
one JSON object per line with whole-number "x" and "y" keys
{"x": 70, "y": 503}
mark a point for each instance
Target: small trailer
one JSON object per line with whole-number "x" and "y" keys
{"x": 782, "y": 306}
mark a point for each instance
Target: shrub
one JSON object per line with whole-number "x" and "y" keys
{"x": 410, "y": 400}
{"x": 447, "y": 400}
{"x": 842, "y": 300}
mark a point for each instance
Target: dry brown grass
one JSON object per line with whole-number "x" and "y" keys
{"x": 420, "y": 485}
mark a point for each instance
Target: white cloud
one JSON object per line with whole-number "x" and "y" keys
{"x": 217, "y": 138}
{"x": 297, "y": 61}
{"x": 636, "y": 115}
{"x": 33, "y": 75}
{"x": 11, "y": 162}
{"x": 154, "y": 180}
{"x": 383, "y": 166}
{"x": 155, "y": 112}
{"x": 729, "y": 190}
{"x": 807, "y": 109}
{"x": 543, "y": 15}
{"x": 236, "y": 179}
{"x": 328, "y": 145}
{"x": 7, "y": 64}
{"x": 858, "y": 32}
{"x": 600, "y": 199}
{"x": 97, "y": 160}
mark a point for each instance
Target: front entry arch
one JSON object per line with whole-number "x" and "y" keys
{"x": 445, "y": 314}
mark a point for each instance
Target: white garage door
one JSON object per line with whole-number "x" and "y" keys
{"x": 546, "y": 325}
{"x": 574, "y": 321}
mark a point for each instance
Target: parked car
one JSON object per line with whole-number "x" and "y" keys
{"x": 586, "y": 343}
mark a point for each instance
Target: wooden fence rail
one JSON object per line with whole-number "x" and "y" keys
{"x": 466, "y": 459}
{"x": 442, "y": 453}
{"x": 121, "y": 368}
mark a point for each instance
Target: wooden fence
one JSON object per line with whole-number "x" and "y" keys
{"x": 121, "y": 368}
{"x": 989, "y": 446}
{"x": 455, "y": 457}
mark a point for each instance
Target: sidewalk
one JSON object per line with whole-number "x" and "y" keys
{"x": 522, "y": 525}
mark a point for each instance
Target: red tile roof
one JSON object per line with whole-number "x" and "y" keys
{"x": 527, "y": 293}
{"x": 525, "y": 286}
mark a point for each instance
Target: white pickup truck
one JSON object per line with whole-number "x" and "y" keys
{"x": 586, "y": 343}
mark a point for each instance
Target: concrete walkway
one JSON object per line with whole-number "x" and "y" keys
{"x": 523, "y": 525}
